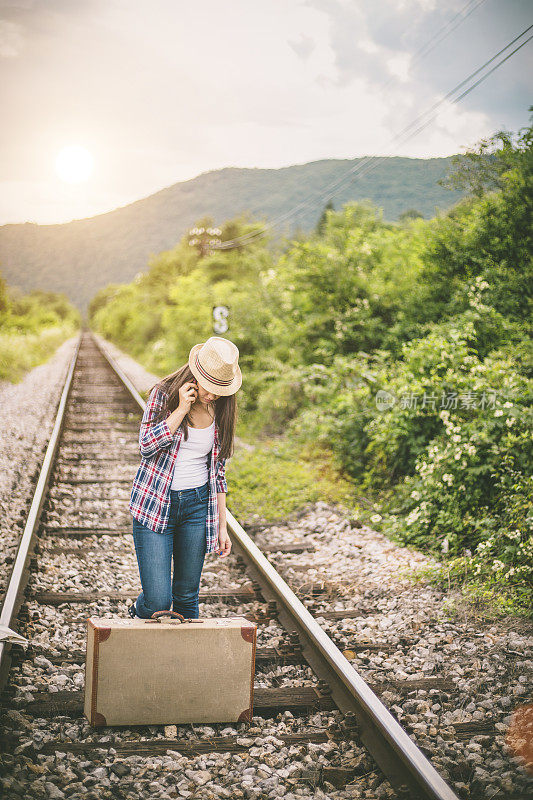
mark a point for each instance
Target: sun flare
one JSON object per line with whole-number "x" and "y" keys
{"x": 74, "y": 164}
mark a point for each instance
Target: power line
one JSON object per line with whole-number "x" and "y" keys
{"x": 440, "y": 35}
{"x": 493, "y": 69}
{"x": 446, "y": 30}
{"x": 370, "y": 162}
{"x": 422, "y": 51}
{"x": 373, "y": 162}
{"x": 466, "y": 80}
{"x": 471, "y": 88}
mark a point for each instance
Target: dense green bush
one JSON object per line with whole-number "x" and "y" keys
{"x": 489, "y": 237}
{"x": 355, "y": 287}
{"x": 450, "y": 449}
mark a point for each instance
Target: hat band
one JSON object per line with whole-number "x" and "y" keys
{"x": 211, "y": 378}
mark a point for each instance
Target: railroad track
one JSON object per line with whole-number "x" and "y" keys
{"x": 76, "y": 559}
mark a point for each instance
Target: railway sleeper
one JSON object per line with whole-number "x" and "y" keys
{"x": 306, "y": 697}
{"x": 106, "y": 426}
{"x": 244, "y": 594}
{"x": 81, "y": 459}
{"x": 55, "y": 498}
{"x": 267, "y": 702}
{"x": 189, "y": 747}
{"x": 264, "y": 656}
{"x": 82, "y": 530}
{"x": 258, "y": 616}
{"x": 92, "y": 530}
{"x": 69, "y": 481}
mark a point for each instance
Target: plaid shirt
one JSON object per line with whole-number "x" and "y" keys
{"x": 150, "y": 494}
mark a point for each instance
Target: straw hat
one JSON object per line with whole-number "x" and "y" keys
{"x": 215, "y": 366}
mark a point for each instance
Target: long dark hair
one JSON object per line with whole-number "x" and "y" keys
{"x": 225, "y": 408}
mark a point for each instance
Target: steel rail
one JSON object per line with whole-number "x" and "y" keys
{"x": 395, "y": 752}
{"x": 120, "y": 373}
{"x": 397, "y": 755}
{"x": 19, "y": 575}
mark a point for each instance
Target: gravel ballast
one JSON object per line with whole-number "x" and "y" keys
{"x": 28, "y": 416}
{"x": 489, "y": 666}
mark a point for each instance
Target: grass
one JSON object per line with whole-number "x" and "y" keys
{"x": 277, "y": 479}
{"x": 21, "y": 352}
{"x": 476, "y": 597}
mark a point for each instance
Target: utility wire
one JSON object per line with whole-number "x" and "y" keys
{"x": 471, "y": 88}
{"x": 422, "y": 51}
{"x": 440, "y": 35}
{"x": 446, "y": 30}
{"x": 370, "y": 162}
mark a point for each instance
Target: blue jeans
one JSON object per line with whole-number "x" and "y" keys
{"x": 184, "y": 539}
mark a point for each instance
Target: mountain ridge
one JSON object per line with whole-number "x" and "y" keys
{"x": 80, "y": 256}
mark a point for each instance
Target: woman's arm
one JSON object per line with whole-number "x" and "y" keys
{"x": 221, "y": 500}
{"x": 224, "y": 543}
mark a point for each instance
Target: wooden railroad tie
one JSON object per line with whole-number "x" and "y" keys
{"x": 76, "y": 481}
{"x": 245, "y": 593}
{"x": 259, "y": 617}
{"x": 58, "y": 598}
{"x": 93, "y": 530}
{"x": 84, "y": 530}
{"x": 57, "y": 496}
{"x": 127, "y": 427}
{"x": 81, "y": 459}
{"x": 264, "y": 656}
{"x": 267, "y": 702}
{"x": 188, "y": 747}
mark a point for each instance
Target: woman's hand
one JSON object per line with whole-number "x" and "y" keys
{"x": 224, "y": 543}
{"x": 187, "y": 394}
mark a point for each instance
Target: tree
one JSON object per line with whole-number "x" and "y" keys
{"x": 483, "y": 168}
{"x": 319, "y": 229}
{"x": 4, "y": 300}
{"x": 410, "y": 214}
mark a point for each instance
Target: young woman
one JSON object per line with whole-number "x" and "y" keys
{"x": 178, "y": 499}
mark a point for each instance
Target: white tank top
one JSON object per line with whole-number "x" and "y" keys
{"x": 190, "y": 467}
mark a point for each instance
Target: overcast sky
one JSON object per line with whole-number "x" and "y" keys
{"x": 159, "y": 91}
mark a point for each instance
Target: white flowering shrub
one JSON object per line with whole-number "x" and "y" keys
{"x": 452, "y": 480}
{"x": 469, "y": 494}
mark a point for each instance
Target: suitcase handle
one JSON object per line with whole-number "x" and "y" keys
{"x": 156, "y": 616}
{"x": 175, "y": 616}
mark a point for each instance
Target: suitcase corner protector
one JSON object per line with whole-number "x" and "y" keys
{"x": 103, "y": 634}
{"x": 248, "y": 632}
{"x": 246, "y": 715}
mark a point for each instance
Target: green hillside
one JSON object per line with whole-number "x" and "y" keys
{"x": 81, "y": 256}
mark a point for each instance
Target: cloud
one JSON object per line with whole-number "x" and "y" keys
{"x": 16, "y": 3}
{"x": 399, "y": 65}
{"x": 304, "y": 47}
{"x": 11, "y": 39}
{"x": 379, "y": 44}
{"x": 160, "y": 92}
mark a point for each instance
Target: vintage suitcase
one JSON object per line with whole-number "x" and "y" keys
{"x": 169, "y": 670}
